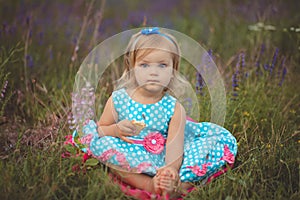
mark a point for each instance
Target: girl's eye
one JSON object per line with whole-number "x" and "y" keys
{"x": 163, "y": 65}
{"x": 144, "y": 65}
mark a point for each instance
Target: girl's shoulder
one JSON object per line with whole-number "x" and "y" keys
{"x": 119, "y": 94}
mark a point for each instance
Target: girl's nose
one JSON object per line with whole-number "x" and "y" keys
{"x": 153, "y": 71}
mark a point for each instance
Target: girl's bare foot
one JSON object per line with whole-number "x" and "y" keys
{"x": 169, "y": 183}
{"x": 156, "y": 183}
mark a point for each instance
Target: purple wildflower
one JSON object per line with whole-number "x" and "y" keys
{"x": 266, "y": 66}
{"x": 82, "y": 106}
{"x": 200, "y": 84}
{"x": 274, "y": 60}
{"x": 29, "y": 61}
{"x": 283, "y": 76}
{"x": 41, "y": 38}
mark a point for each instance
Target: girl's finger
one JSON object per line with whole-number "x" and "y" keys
{"x": 126, "y": 139}
{"x": 125, "y": 129}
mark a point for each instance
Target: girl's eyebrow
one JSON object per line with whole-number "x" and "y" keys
{"x": 161, "y": 61}
{"x": 146, "y": 61}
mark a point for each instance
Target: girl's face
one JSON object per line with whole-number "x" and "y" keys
{"x": 154, "y": 71}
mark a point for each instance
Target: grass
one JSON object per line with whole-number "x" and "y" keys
{"x": 38, "y": 42}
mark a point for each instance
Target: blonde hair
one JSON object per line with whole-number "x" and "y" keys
{"x": 141, "y": 45}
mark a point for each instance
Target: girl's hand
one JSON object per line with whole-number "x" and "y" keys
{"x": 125, "y": 128}
{"x": 169, "y": 171}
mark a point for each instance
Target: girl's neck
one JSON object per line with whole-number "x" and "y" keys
{"x": 143, "y": 96}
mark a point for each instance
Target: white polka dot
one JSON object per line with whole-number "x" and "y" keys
{"x": 147, "y": 110}
{"x": 140, "y": 109}
{"x": 131, "y": 149}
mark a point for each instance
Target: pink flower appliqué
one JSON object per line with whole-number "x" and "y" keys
{"x": 199, "y": 172}
{"x": 154, "y": 143}
{"x": 228, "y": 156}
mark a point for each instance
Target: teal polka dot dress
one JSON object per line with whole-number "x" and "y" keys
{"x": 207, "y": 146}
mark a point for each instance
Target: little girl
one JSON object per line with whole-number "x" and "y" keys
{"x": 143, "y": 134}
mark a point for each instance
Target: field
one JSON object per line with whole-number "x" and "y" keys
{"x": 255, "y": 45}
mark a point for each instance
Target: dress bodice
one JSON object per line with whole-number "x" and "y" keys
{"x": 156, "y": 116}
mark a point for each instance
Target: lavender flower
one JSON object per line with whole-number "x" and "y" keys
{"x": 29, "y": 61}
{"x": 200, "y": 84}
{"x": 82, "y": 106}
{"x": 283, "y": 76}
{"x": 207, "y": 60}
{"x": 274, "y": 60}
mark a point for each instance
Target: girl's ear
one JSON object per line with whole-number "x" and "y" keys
{"x": 126, "y": 61}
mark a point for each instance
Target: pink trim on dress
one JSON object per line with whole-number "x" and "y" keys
{"x": 228, "y": 156}
{"x": 199, "y": 172}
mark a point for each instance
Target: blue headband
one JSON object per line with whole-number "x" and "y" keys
{"x": 155, "y": 30}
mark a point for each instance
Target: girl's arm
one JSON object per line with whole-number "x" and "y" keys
{"x": 107, "y": 125}
{"x": 175, "y": 139}
{"x": 107, "y": 122}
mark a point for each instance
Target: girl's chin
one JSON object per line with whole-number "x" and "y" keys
{"x": 153, "y": 88}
